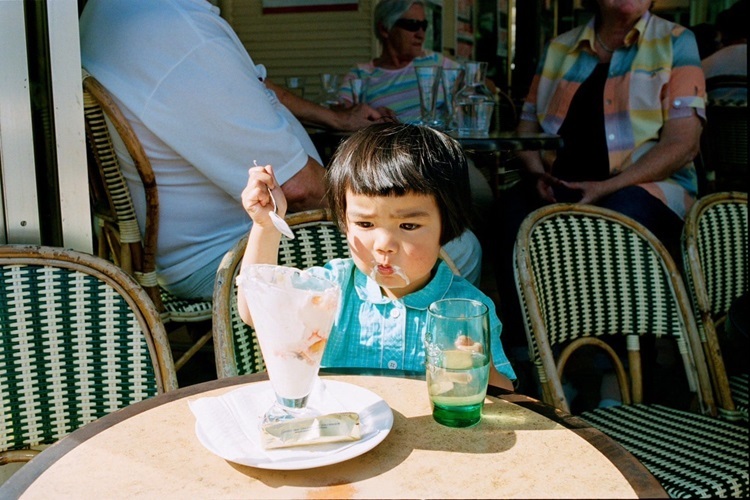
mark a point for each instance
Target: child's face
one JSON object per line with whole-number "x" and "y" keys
{"x": 394, "y": 239}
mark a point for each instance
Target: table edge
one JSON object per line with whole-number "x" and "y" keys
{"x": 644, "y": 484}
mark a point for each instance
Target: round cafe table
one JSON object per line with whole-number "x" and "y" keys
{"x": 521, "y": 448}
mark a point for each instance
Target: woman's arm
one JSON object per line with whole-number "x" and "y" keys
{"x": 534, "y": 164}
{"x": 678, "y": 145}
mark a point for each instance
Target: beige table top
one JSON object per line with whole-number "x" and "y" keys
{"x": 150, "y": 449}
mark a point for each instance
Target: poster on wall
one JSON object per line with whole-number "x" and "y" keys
{"x": 286, "y": 6}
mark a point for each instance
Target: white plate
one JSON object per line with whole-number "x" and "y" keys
{"x": 376, "y": 420}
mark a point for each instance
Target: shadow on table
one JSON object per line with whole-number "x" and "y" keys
{"x": 495, "y": 433}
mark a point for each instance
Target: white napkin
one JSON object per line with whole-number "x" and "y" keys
{"x": 229, "y": 425}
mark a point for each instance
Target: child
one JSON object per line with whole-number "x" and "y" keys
{"x": 398, "y": 192}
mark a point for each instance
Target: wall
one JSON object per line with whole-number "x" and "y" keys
{"x": 303, "y": 44}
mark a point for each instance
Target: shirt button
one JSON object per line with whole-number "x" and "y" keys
{"x": 677, "y": 102}
{"x": 392, "y": 365}
{"x": 395, "y": 313}
{"x": 611, "y": 137}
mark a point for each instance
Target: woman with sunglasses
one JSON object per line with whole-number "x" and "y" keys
{"x": 390, "y": 86}
{"x": 389, "y": 80}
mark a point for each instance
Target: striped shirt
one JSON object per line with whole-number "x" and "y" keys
{"x": 373, "y": 331}
{"x": 394, "y": 88}
{"x": 655, "y": 77}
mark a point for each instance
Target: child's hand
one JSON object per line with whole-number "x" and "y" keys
{"x": 256, "y": 198}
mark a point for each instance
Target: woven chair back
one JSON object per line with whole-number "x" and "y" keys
{"x": 715, "y": 256}
{"x": 133, "y": 253}
{"x": 584, "y": 271}
{"x": 79, "y": 339}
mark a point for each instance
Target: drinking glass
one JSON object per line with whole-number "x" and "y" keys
{"x": 428, "y": 82}
{"x": 457, "y": 360}
{"x": 329, "y": 87}
{"x": 296, "y": 85}
{"x": 293, "y": 312}
{"x": 452, "y": 80}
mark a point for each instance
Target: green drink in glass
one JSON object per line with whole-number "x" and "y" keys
{"x": 457, "y": 360}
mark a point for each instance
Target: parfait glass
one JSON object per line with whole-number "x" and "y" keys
{"x": 293, "y": 312}
{"x": 428, "y": 82}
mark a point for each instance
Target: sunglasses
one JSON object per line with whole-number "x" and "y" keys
{"x": 412, "y": 25}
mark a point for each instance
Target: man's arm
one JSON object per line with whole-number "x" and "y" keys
{"x": 345, "y": 119}
{"x": 306, "y": 189}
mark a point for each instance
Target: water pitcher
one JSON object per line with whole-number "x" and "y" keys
{"x": 474, "y": 102}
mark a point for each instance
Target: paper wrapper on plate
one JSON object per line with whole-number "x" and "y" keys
{"x": 332, "y": 428}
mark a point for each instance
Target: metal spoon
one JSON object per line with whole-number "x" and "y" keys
{"x": 278, "y": 221}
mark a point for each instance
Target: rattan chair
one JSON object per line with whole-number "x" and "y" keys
{"x": 79, "y": 339}
{"x": 317, "y": 241}
{"x": 119, "y": 236}
{"x": 715, "y": 256}
{"x": 587, "y": 275}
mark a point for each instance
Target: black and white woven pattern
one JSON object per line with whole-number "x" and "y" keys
{"x": 600, "y": 278}
{"x": 693, "y": 456}
{"x": 314, "y": 244}
{"x": 723, "y": 253}
{"x": 71, "y": 351}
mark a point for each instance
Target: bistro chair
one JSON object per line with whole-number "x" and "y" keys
{"x": 724, "y": 146}
{"x": 317, "y": 240}
{"x": 119, "y": 235}
{"x": 79, "y": 339}
{"x": 587, "y": 275}
{"x": 715, "y": 255}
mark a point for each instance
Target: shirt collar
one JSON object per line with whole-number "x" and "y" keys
{"x": 588, "y": 34}
{"x": 368, "y": 290}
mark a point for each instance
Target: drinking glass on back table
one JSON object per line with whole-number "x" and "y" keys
{"x": 452, "y": 81}
{"x": 428, "y": 82}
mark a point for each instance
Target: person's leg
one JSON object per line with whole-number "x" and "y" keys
{"x": 638, "y": 204}
{"x": 199, "y": 285}
{"x": 513, "y": 206}
{"x": 466, "y": 253}
{"x": 482, "y": 198}
{"x": 661, "y": 362}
